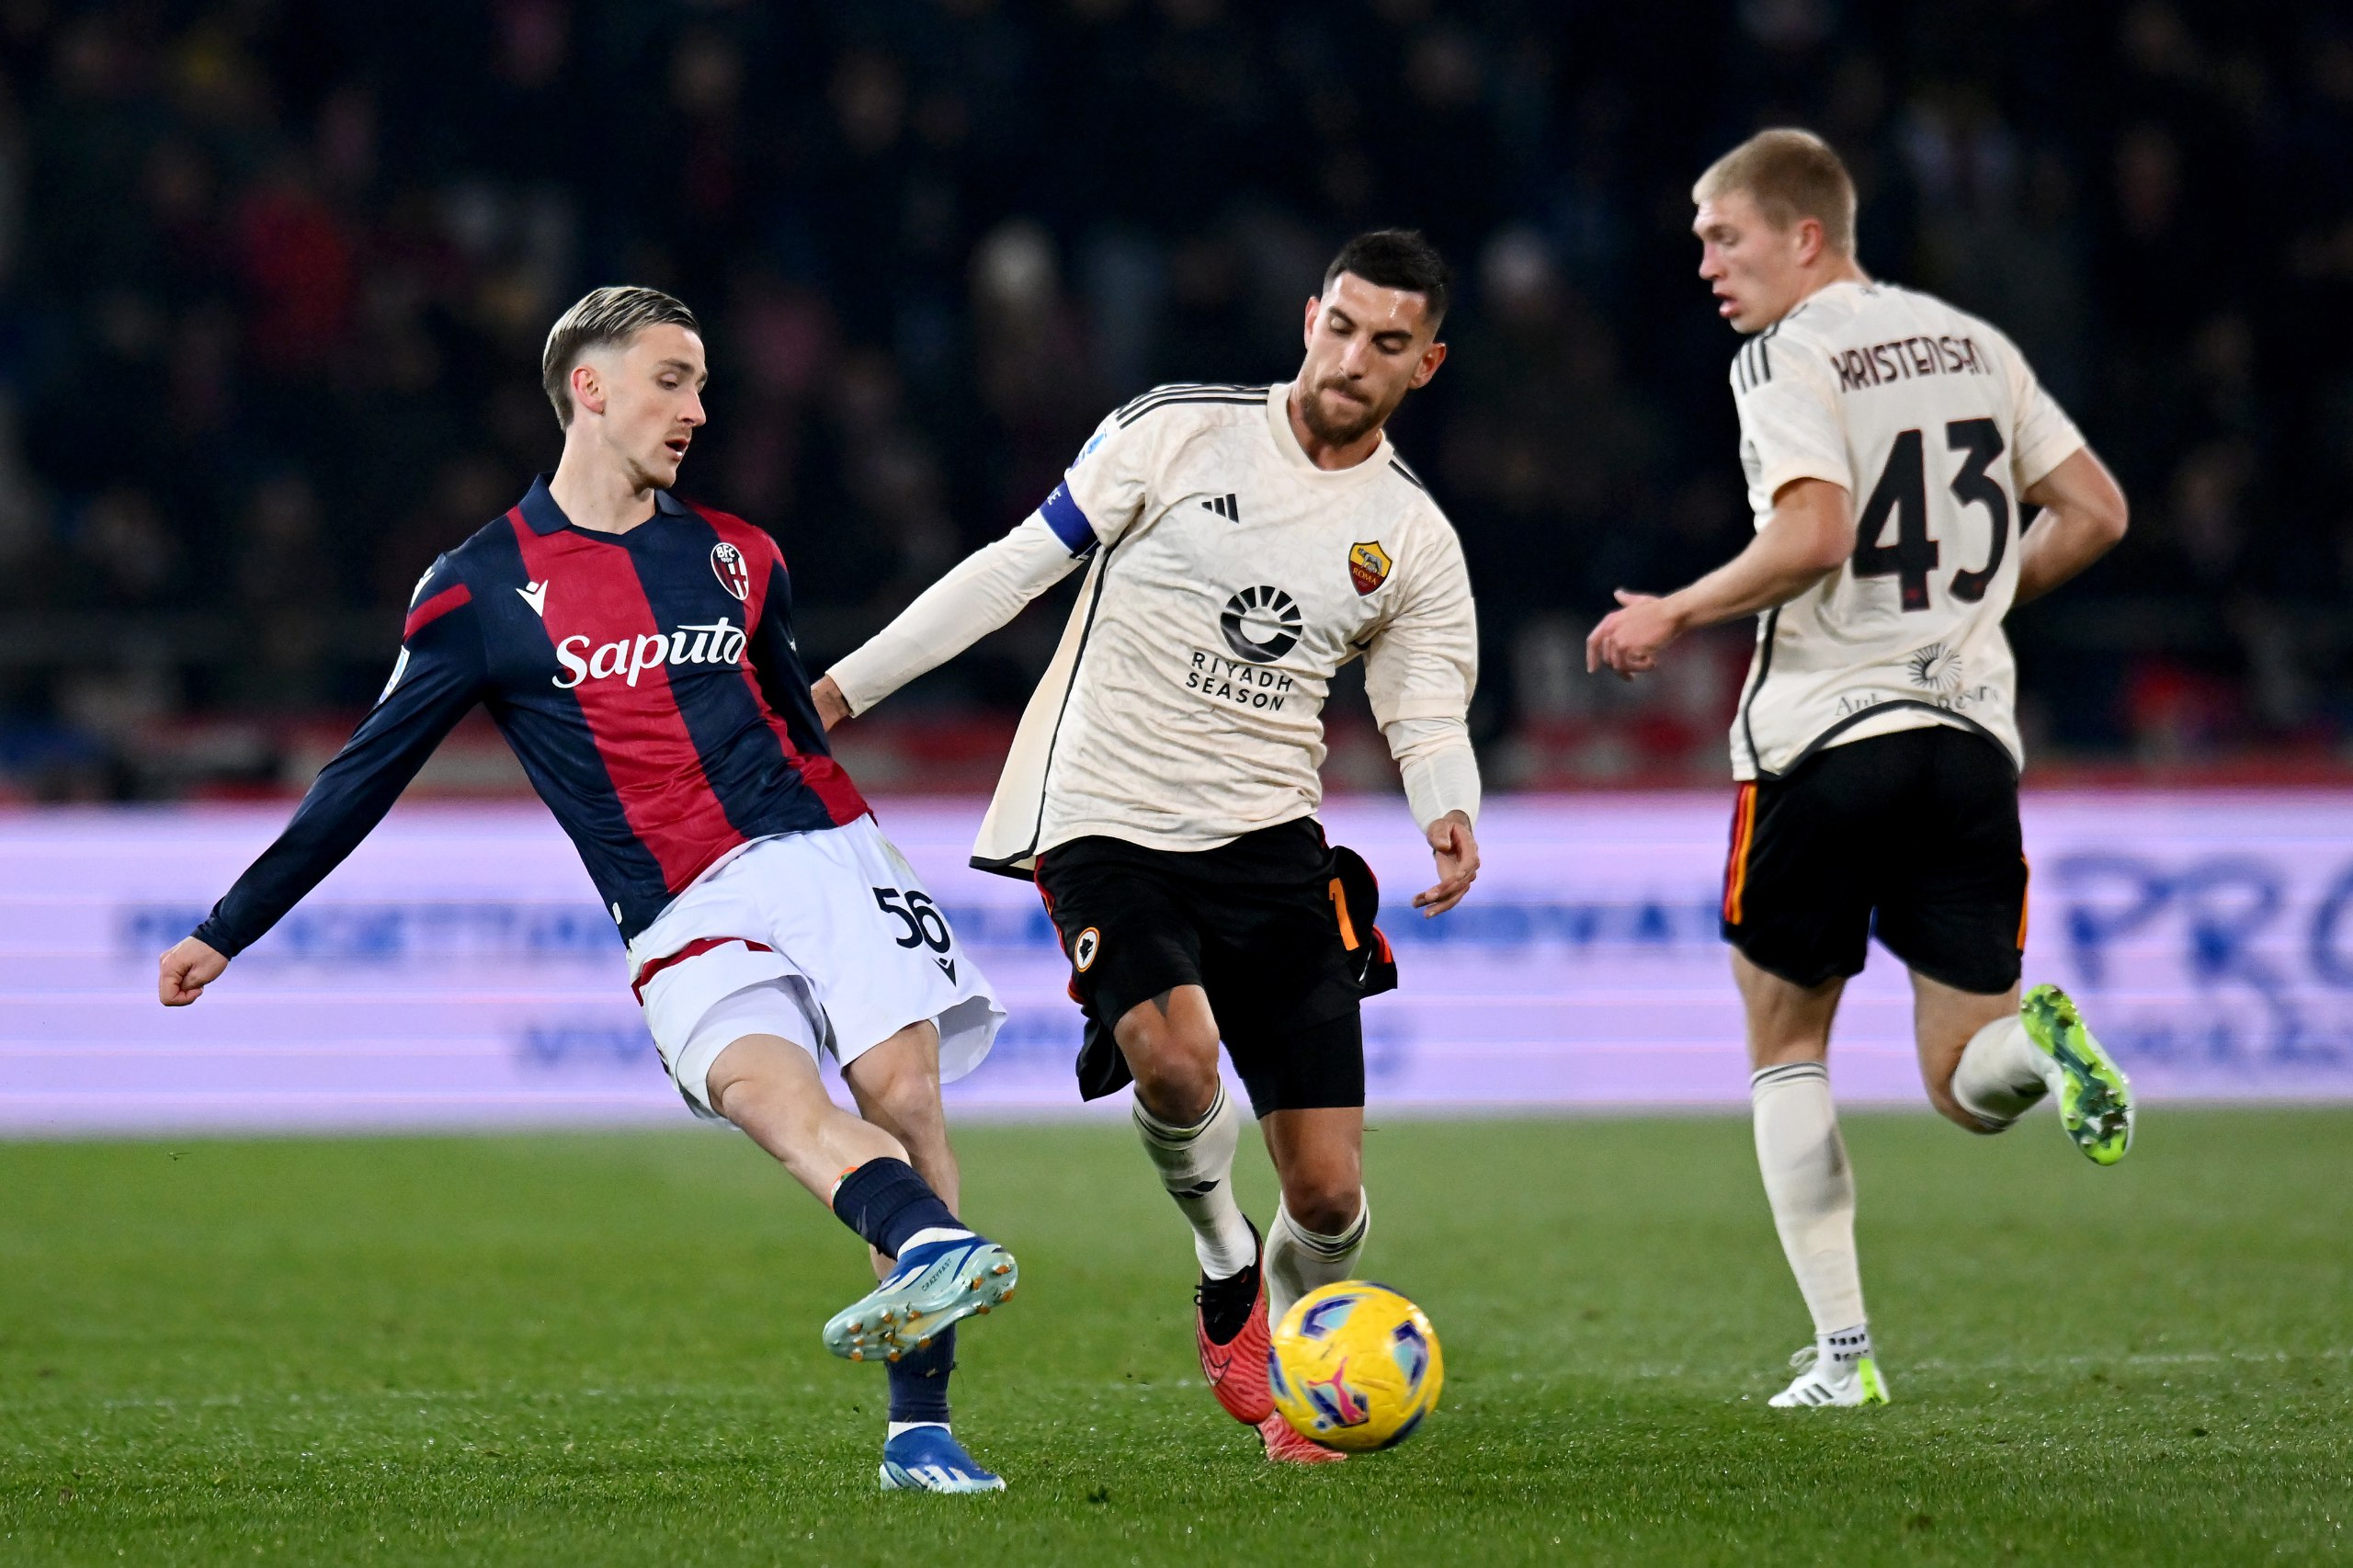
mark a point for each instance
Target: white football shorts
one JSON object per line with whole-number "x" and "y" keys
{"x": 827, "y": 939}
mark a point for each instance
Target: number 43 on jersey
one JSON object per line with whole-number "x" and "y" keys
{"x": 1903, "y": 489}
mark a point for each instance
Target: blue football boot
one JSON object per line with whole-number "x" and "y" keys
{"x": 935, "y": 1285}
{"x": 928, "y": 1459}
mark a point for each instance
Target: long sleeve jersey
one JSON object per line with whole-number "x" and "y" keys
{"x": 1229, "y": 578}
{"x": 648, "y": 682}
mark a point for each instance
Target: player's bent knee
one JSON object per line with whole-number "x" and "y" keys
{"x": 1324, "y": 1195}
{"x": 1942, "y": 1096}
{"x": 1959, "y": 1115}
{"x": 1325, "y": 1209}
{"x": 1174, "y": 1066}
{"x": 1178, "y": 1091}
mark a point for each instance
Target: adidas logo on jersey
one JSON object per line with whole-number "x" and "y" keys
{"x": 1228, "y": 507}
{"x": 719, "y": 643}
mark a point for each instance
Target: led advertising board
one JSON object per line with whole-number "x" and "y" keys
{"x": 458, "y": 971}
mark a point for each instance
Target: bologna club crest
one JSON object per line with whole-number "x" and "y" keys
{"x": 734, "y": 574}
{"x": 1368, "y": 566}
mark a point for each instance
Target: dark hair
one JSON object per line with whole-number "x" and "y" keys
{"x": 1396, "y": 258}
{"x": 602, "y": 316}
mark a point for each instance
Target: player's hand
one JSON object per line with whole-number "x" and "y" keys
{"x": 1631, "y": 638}
{"x": 1456, "y": 849}
{"x": 188, "y": 969}
{"x": 831, "y": 706}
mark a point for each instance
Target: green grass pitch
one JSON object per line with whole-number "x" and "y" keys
{"x": 602, "y": 1349}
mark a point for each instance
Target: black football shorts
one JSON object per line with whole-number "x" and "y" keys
{"x": 1912, "y": 838}
{"x": 1277, "y": 927}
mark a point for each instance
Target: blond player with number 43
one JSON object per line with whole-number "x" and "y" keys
{"x": 1893, "y": 445}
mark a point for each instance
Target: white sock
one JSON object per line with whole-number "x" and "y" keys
{"x": 934, "y": 1234}
{"x": 1196, "y": 1164}
{"x": 1811, "y": 1187}
{"x": 1298, "y": 1260}
{"x": 899, "y": 1426}
{"x": 2001, "y": 1074}
{"x": 1838, "y": 1352}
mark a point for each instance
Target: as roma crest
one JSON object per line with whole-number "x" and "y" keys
{"x": 1368, "y": 566}
{"x": 735, "y": 576}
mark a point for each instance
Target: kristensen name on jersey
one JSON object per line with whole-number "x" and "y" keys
{"x": 1932, "y": 422}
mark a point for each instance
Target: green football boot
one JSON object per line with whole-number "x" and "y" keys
{"x": 2095, "y": 1097}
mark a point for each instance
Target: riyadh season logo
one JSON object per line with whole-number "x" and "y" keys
{"x": 1261, "y": 624}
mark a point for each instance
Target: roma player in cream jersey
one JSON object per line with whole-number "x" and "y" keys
{"x": 1241, "y": 544}
{"x": 1891, "y": 444}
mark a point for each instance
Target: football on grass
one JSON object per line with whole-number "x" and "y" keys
{"x": 1355, "y": 1365}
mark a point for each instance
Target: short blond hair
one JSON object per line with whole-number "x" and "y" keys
{"x": 1790, "y": 175}
{"x": 601, "y": 317}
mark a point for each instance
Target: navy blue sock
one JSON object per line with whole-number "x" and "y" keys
{"x": 885, "y": 1201}
{"x": 920, "y": 1381}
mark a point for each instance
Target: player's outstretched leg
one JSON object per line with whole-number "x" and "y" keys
{"x": 897, "y": 1087}
{"x": 2094, "y": 1097}
{"x": 945, "y": 1273}
{"x": 936, "y": 1272}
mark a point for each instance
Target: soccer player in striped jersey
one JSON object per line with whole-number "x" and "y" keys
{"x": 1892, "y": 445}
{"x": 637, "y": 652}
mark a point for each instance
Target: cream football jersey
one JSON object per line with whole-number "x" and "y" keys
{"x": 1230, "y": 579}
{"x": 1932, "y": 421}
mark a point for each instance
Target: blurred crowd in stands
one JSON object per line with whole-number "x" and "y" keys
{"x": 274, "y": 278}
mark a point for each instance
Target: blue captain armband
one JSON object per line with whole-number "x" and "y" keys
{"x": 1070, "y": 524}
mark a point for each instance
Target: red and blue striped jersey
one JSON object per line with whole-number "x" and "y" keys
{"x": 648, "y": 682}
